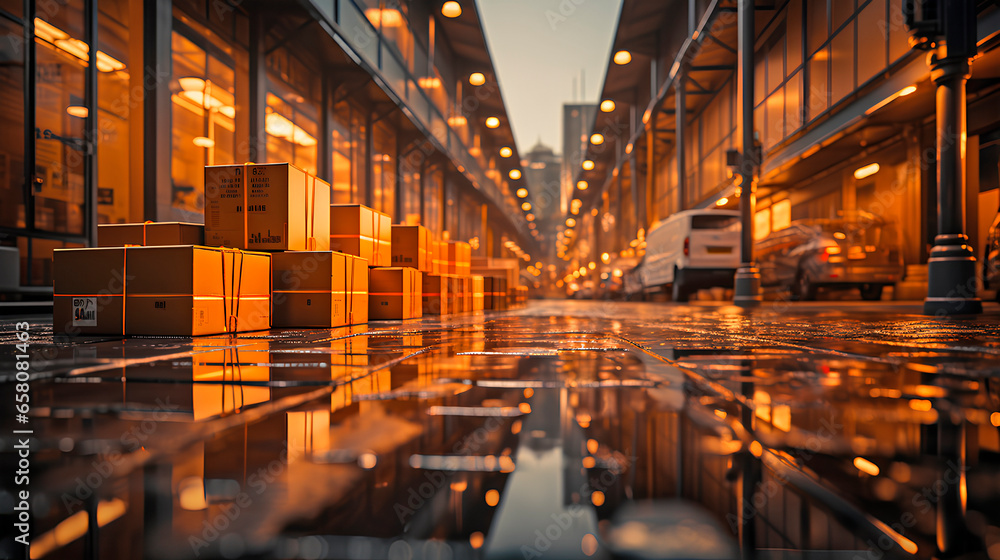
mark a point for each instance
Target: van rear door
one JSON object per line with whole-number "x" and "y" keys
{"x": 714, "y": 241}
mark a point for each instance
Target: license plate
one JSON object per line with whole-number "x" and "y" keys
{"x": 720, "y": 250}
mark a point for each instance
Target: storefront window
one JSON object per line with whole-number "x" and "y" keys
{"x": 12, "y": 203}
{"x": 433, "y": 192}
{"x": 204, "y": 128}
{"x": 344, "y": 190}
{"x": 114, "y": 109}
{"x": 384, "y": 170}
{"x": 60, "y": 118}
{"x": 291, "y": 135}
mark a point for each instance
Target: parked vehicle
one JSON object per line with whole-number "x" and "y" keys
{"x": 852, "y": 251}
{"x": 991, "y": 258}
{"x": 690, "y": 250}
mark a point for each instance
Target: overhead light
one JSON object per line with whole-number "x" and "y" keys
{"x": 866, "y": 171}
{"x": 387, "y": 17}
{"x": 451, "y": 9}
{"x": 722, "y": 201}
{"x": 48, "y": 32}
{"x": 530, "y": 217}
{"x": 522, "y": 192}
{"x": 605, "y": 258}
{"x": 477, "y": 79}
{"x": 432, "y": 82}
{"x": 203, "y": 142}
{"x": 588, "y": 165}
{"x": 582, "y": 185}
{"x": 907, "y": 91}
{"x": 457, "y": 120}
{"x": 514, "y": 174}
{"x": 526, "y": 206}
{"x": 492, "y": 122}
{"x": 108, "y": 63}
{"x": 592, "y": 265}
{"x": 597, "y": 139}
{"x": 607, "y": 106}
{"x": 645, "y": 116}
{"x": 570, "y": 222}
{"x": 506, "y": 152}
{"x": 78, "y": 111}
{"x": 622, "y": 57}
{"x": 628, "y": 148}
{"x": 574, "y": 210}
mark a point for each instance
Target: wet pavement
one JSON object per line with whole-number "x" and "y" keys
{"x": 562, "y": 430}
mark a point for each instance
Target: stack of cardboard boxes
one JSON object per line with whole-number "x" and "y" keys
{"x": 273, "y": 252}
{"x": 501, "y": 288}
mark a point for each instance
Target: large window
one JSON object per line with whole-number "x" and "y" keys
{"x": 291, "y": 133}
{"x": 204, "y": 129}
{"x": 60, "y": 119}
{"x": 384, "y": 169}
{"x": 114, "y": 104}
{"x": 12, "y": 203}
{"x": 342, "y": 145}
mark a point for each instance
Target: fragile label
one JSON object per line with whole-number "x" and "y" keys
{"x": 85, "y": 312}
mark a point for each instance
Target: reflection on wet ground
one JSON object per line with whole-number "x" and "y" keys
{"x": 603, "y": 430}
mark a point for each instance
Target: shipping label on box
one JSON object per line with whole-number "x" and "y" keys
{"x": 319, "y": 289}
{"x": 169, "y": 291}
{"x": 358, "y": 230}
{"x": 150, "y": 233}
{"x": 411, "y": 246}
{"x": 266, "y": 207}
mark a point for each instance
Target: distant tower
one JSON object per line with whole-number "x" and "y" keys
{"x": 542, "y": 172}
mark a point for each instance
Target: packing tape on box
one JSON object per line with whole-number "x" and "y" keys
{"x": 246, "y": 209}
{"x": 350, "y": 289}
{"x": 311, "y": 214}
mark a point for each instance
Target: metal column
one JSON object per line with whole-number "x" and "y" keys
{"x": 747, "y": 286}
{"x": 951, "y": 269}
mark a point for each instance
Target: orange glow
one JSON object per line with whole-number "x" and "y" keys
{"x": 492, "y": 498}
{"x": 929, "y": 391}
{"x": 622, "y": 57}
{"x": 506, "y": 464}
{"x": 756, "y": 448}
{"x": 995, "y": 419}
{"x": 459, "y": 486}
{"x": 592, "y": 446}
{"x": 866, "y": 466}
{"x": 524, "y": 407}
{"x": 367, "y": 460}
{"x": 920, "y": 405}
{"x": 597, "y": 498}
{"x": 528, "y": 392}
{"x": 589, "y": 462}
{"x": 589, "y": 544}
{"x": 476, "y": 540}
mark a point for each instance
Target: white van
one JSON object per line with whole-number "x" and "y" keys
{"x": 690, "y": 250}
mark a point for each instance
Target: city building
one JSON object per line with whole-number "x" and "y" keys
{"x": 843, "y": 118}
{"x": 542, "y": 170}
{"x": 394, "y": 103}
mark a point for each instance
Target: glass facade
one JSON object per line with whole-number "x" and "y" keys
{"x": 54, "y": 189}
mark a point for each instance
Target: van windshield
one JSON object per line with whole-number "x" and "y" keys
{"x": 707, "y": 221}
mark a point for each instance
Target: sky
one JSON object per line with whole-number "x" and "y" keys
{"x": 539, "y": 48}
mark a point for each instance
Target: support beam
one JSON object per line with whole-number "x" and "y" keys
{"x": 747, "y": 283}
{"x": 258, "y": 88}
{"x": 680, "y": 138}
{"x": 157, "y": 16}
{"x": 951, "y": 269}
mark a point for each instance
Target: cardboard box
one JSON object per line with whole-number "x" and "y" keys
{"x": 395, "y": 293}
{"x": 494, "y": 293}
{"x": 361, "y": 231}
{"x": 437, "y": 299}
{"x": 459, "y": 258}
{"x": 477, "y": 293}
{"x": 410, "y": 247}
{"x": 287, "y": 208}
{"x": 439, "y": 257}
{"x": 318, "y": 289}
{"x": 150, "y": 233}
{"x": 170, "y": 291}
